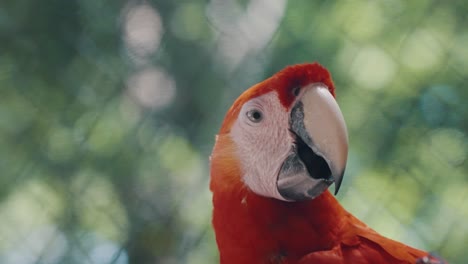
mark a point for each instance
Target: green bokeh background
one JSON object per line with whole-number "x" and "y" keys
{"x": 108, "y": 112}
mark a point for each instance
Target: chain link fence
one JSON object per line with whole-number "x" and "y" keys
{"x": 108, "y": 111}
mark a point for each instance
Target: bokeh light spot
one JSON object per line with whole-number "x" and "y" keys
{"x": 436, "y": 103}
{"x": 365, "y": 21}
{"x": 189, "y": 22}
{"x": 143, "y": 29}
{"x": 372, "y": 68}
{"x": 152, "y": 88}
{"x": 450, "y": 145}
{"x": 421, "y": 51}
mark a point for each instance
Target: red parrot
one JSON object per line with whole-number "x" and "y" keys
{"x": 281, "y": 145}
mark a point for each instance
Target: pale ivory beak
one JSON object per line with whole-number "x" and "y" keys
{"x": 325, "y": 125}
{"x": 319, "y": 155}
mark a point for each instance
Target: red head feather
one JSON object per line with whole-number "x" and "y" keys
{"x": 283, "y": 82}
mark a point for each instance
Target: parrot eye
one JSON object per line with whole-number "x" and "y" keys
{"x": 255, "y": 115}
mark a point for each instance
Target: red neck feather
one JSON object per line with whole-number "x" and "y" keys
{"x": 254, "y": 229}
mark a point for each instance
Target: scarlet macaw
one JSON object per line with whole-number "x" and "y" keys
{"x": 281, "y": 145}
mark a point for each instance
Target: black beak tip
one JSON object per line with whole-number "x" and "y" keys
{"x": 337, "y": 188}
{"x": 338, "y": 181}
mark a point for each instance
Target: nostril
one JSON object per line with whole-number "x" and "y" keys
{"x": 296, "y": 90}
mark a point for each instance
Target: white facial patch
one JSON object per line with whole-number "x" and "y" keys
{"x": 262, "y": 143}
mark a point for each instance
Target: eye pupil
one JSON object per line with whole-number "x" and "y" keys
{"x": 255, "y": 115}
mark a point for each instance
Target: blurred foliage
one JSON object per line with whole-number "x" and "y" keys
{"x": 108, "y": 111}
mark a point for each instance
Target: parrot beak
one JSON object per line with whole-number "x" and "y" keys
{"x": 320, "y": 150}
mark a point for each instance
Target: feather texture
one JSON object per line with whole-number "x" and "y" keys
{"x": 254, "y": 229}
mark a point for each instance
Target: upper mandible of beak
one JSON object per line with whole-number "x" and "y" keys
{"x": 325, "y": 125}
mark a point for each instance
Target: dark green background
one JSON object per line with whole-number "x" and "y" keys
{"x": 108, "y": 111}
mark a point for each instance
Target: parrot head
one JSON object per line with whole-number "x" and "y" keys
{"x": 284, "y": 138}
